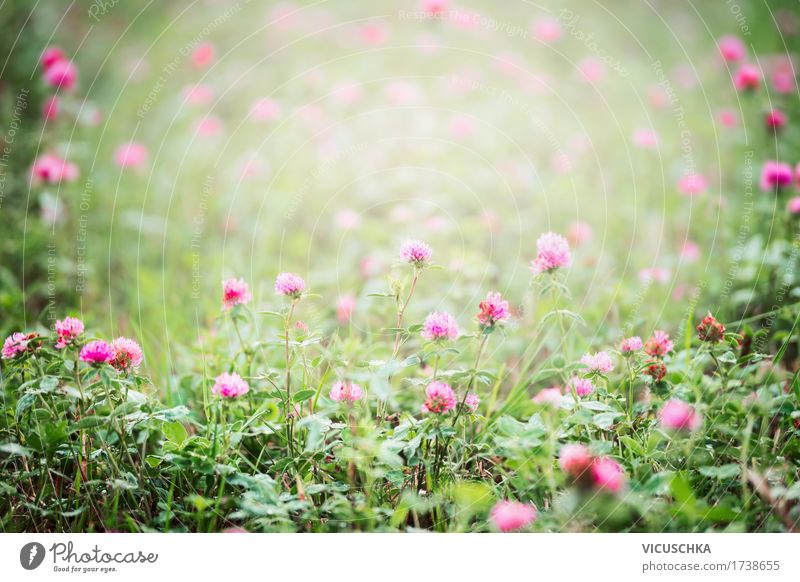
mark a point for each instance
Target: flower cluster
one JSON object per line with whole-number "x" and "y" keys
{"x": 679, "y": 416}
{"x": 659, "y": 344}
{"x": 97, "y": 352}
{"x": 130, "y": 155}
{"x": 550, "y": 396}
{"x": 229, "y": 385}
{"x": 235, "y": 292}
{"x": 710, "y": 330}
{"x": 657, "y": 347}
{"x": 601, "y": 473}
{"x": 52, "y": 169}
{"x": 127, "y": 354}
{"x": 552, "y": 252}
{"x": 574, "y": 460}
{"x": 493, "y": 310}
{"x": 732, "y": 48}
{"x": 17, "y": 343}
{"x": 509, "y": 516}
{"x": 59, "y": 72}
{"x": 471, "y": 402}
{"x": 440, "y": 398}
{"x": 345, "y": 307}
{"x": 68, "y": 330}
{"x": 656, "y": 369}
{"x": 123, "y": 354}
{"x": 290, "y": 285}
{"x": 580, "y": 386}
{"x": 599, "y": 363}
{"x": 747, "y": 78}
{"x": 348, "y": 392}
{"x": 440, "y": 326}
{"x": 692, "y": 184}
{"x": 775, "y": 176}
{"x": 630, "y": 345}
{"x": 775, "y": 120}
{"x": 608, "y": 475}
{"x": 415, "y": 252}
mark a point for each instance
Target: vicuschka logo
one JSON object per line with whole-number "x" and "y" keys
{"x": 31, "y": 555}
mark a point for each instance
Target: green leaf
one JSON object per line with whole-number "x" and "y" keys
{"x": 124, "y": 409}
{"x": 88, "y": 422}
{"x": 720, "y": 513}
{"x": 562, "y": 313}
{"x": 273, "y": 313}
{"x": 410, "y": 361}
{"x": 48, "y": 383}
{"x": 471, "y": 498}
{"x": 723, "y": 472}
{"x": 175, "y": 413}
{"x": 14, "y": 449}
{"x": 605, "y": 420}
{"x": 55, "y": 433}
{"x": 105, "y": 378}
{"x": 596, "y": 406}
{"x": 658, "y": 484}
{"x": 303, "y": 395}
{"x": 153, "y": 461}
{"x": 175, "y": 432}
{"x": 633, "y": 445}
{"x": 681, "y": 490}
{"x": 317, "y": 427}
{"x": 24, "y": 403}
{"x": 509, "y": 426}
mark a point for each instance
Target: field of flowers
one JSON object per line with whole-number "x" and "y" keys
{"x": 400, "y": 266}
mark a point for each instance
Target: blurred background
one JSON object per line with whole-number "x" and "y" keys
{"x": 206, "y": 140}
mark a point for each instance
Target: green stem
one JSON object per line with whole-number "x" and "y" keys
{"x": 289, "y": 408}
{"x": 248, "y": 356}
{"x": 631, "y": 380}
{"x": 482, "y": 345}
{"x": 743, "y": 461}
{"x": 402, "y": 309}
